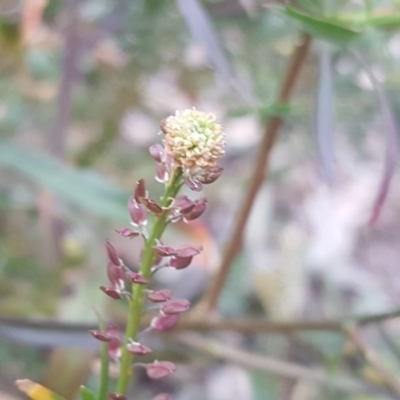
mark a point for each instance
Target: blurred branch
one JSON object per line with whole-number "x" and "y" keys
{"x": 53, "y": 333}
{"x": 284, "y": 369}
{"x": 392, "y": 145}
{"x": 259, "y": 174}
{"x": 372, "y": 359}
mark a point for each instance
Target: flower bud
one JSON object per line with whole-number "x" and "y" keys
{"x": 176, "y": 307}
{"x": 194, "y": 185}
{"x": 138, "y": 348}
{"x": 138, "y": 212}
{"x": 160, "y": 369}
{"x": 162, "y": 322}
{"x": 159, "y": 296}
{"x": 112, "y": 254}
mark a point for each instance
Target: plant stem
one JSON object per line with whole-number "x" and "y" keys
{"x": 136, "y": 304}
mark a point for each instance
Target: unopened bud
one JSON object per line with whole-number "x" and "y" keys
{"x": 162, "y": 322}
{"x": 111, "y": 292}
{"x": 180, "y": 262}
{"x": 198, "y": 209}
{"x": 157, "y": 152}
{"x": 126, "y": 232}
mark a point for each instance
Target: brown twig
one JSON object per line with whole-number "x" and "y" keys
{"x": 259, "y": 174}
{"x": 373, "y": 360}
{"x": 246, "y": 359}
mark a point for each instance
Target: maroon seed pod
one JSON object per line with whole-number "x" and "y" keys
{"x": 135, "y": 277}
{"x": 162, "y": 322}
{"x": 176, "y": 307}
{"x": 183, "y": 202}
{"x": 111, "y": 292}
{"x": 188, "y": 251}
{"x": 138, "y": 348}
{"x": 112, "y": 253}
{"x": 180, "y": 262}
{"x": 164, "y": 251}
{"x": 162, "y": 396}
{"x": 116, "y": 396}
{"x": 99, "y": 335}
{"x": 140, "y": 190}
{"x": 197, "y": 211}
{"x": 194, "y": 185}
{"x": 159, "y": 296}
{"x": 137, "y": 211}
{"x": 210, "y": 175}
{"x": 115, "y": 276}
{"x": 160, "y": 369}
{"x": 126, "y": 232}
{"x": 152, "y": 206}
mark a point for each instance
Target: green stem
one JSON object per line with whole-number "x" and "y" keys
{"x": 138, "y": 291}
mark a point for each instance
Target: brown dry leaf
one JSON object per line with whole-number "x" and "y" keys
{"x": 31, "y": 18}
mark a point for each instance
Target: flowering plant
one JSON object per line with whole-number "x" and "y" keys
{"x": 193, "y": 143}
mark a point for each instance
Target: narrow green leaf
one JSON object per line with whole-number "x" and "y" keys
{"x": 82, "y": 188}
{"x": 86, "y": 394}
{"x": 322, "y": 28}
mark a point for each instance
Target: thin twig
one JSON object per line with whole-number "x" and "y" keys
{"x": 249, "y": 360}
{"x": 259, "y": 174}
{"x": 373, "y": 360}
{"x": 61, "y": 334}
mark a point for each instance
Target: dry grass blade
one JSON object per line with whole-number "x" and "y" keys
{"x": 203, "y": 32}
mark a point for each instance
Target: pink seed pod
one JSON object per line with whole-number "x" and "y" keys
{"x": 140, "y": 190}
{"x": 101, "y": 336}
{"x": 111, "y": 292}
{"x": 176, "y": 307}
{"x": 126, "y": 232}
{"x": 160, "y": 369}
{"x": 162, "y": 322}
{"x": 159, "y": 296}
{"x": 164, "y": 251}
{"x": 135, "y": 277}
{"x": 180, "y": 262}
{"x": 152, "y": 206}
{"x": 115, "y": 275}
{"x": 138, "y": 212}
{"x": 188, "y": 251}
{"x": 138, "y": 348}
{"x": 157, "y": 152}
{"x": 162, "y": 174}
{"x": 194, "y": 185}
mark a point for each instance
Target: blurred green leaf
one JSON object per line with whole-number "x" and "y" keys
{"x": 322, "y": 28}
{"x": 86, "y": 394}
{"x": 82, "y": 188}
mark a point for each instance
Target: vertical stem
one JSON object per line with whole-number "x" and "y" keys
{"x": 136, "y": 303}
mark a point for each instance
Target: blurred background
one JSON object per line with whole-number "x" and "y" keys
{"x": 83, "y": 87}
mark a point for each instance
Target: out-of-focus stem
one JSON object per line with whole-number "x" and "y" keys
{"x": 136, "y": 304}
{"x": 259, "y": 174}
